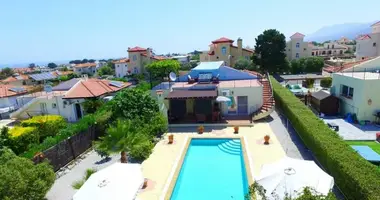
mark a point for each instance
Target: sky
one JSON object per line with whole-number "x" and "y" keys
{"x": 56, "y": 30}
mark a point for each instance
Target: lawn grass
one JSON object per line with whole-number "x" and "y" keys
{"x": 371, "y": 144}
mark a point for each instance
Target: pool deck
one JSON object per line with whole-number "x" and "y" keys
{"x": 160, "y": 166}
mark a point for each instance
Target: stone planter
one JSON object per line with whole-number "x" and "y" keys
{"x": 266, "y": 139}
{"x": 171, "y": 139}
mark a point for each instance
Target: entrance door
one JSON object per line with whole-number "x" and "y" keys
{"x": 43, "y": 108}
{"x": 78, "y": 111}
{"x": 242, "y": 105}
{"x": 178, "y": 108}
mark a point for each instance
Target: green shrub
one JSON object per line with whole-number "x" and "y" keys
{"x": 141, "y": 151}
{"x": 21, "y": 179}
{"x": 78, "y": 184}
{"x": 21, "y": 138}
{"x": 326, "y": 82}
{"x": 357, "y": 178}
{"x": 70, "y": 130}
{"x": 47, "y": 125}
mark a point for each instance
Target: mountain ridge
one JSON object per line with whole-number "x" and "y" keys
{"x": 337, "y": 31}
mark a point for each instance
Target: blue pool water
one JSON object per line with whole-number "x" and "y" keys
{"x": 212, "y": 169}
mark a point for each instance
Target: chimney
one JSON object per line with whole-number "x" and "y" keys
{"x": 240, "y": 46}
{"x": 148, "y": 52}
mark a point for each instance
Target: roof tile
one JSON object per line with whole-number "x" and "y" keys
{"x": 136, "y": 49}
{"x": 222, "y": 40}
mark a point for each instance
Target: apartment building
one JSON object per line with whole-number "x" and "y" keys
{"x": 367, "y": 45}
{"x": 223, "y": 49}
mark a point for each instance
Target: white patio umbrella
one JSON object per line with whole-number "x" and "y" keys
{"x": 290, "y": 176}
{"x": 222, "y": 99}
{"x": 120, "y": 181}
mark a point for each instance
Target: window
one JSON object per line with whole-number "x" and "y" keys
{"x": 134, "y": 57}
{"x": 247, "y": 57}
{"x": 297, "y": 55}
{"x": 328, "y": 46}
{"x": 135, "y": 70}
{"x": 374, "y": 44}
{"x": 332, "y": 46}
{"x": 346, "y": 91}
{"x": 297, "y": 45}
{"x": 224, "y": 50}
{"x": 54, "y": 105}
{"x": 312, "y": 53}
{"x": 304, "y": 49}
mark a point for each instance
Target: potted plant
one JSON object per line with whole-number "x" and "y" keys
{"x": 171, "y": 138}
{"x": 201, "y": 129}
{"x": 236, "y": 129}
{"x": 266, "y": 139}
{"x": 123, "y": 158}
{"x": 378, "y": 136}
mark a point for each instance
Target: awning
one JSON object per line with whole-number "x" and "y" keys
{"x": 189, "y": 94}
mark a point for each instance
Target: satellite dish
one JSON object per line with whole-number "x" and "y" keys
{"x": 172, "y": 76}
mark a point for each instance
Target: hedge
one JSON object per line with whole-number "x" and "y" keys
{"x": 356, "y": 177}
{"x": 100, "y": 119}
{"x": 21, "y": 137}
{"x": 48, "y": 125}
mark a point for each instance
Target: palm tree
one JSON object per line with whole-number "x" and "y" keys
{"x": 122, "y": 137}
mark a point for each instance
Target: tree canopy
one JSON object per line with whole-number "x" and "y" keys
{"x": 52, "y": 65}
{"x": 270, "y": 52}
{"x": 32, "y": 65}
{"x": 243, "y": 63}
{"x": 134, "y": 103}
{"x": 5, "y": 72}
{"x": 105, "y": 70}
{"x": 21, "y": 179}
{"x": 307, "y": 65}
{"x": 162, "y": 68}
{"x": 85, "y": 60}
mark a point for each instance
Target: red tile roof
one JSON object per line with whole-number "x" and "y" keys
{"x": 244, "y": 49}
{"x": 345, "y": 66}
{"x": 154, "y": 57}
{"x": 6, "y": 92}
{"x": 136, "y": 49}
{"x": 93, "y": 88}
{"x": 364, "y": 37}
{"x": 297, "y": 35}
{"x": 376, "y": 24}
{"x": 22, "y": 70}
{"x": 124, "y": 60}
{"x": 222, "y": 40}
{"x": 85, "y": 65}
{"x": 12, "y": 79}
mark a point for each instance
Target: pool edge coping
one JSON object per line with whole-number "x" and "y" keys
{"x": 171, "y": 181}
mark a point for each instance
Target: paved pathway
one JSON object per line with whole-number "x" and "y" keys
{"x": 351, "y": 132}
{"x": 62, "y": 189}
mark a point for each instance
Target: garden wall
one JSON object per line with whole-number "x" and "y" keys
{"x": 69, "y": 149}
{"x": 356, "y": 177}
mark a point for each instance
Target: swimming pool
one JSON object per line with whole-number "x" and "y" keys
{"x": 212, "y": 169}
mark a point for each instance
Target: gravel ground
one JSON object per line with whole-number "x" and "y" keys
{"x": 62, "y": 189}
{"x": 292, "y": 143}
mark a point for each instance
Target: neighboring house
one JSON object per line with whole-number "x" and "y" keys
{"x": 223, "y": 49}
{"x": 344, "y": 41}
{"x": 8, "y": 98}
{"x": 68, "y": 103}
{"x": 357, "y": 93}
{"x": 192, "y": 97}
{"x": 182, "y": 59}
{"x": 366, "y": 65}
{"x": 137, "y": 59}
{"x": 18, "y": 80}
{"x": 85, "y": 68}
{"x": 328, "y": 49}
{"x": 121, "y": 68}
{"x": 297, "y": 48}
{"x": 22, "y": 70}
{"x": 368, "y": 45}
